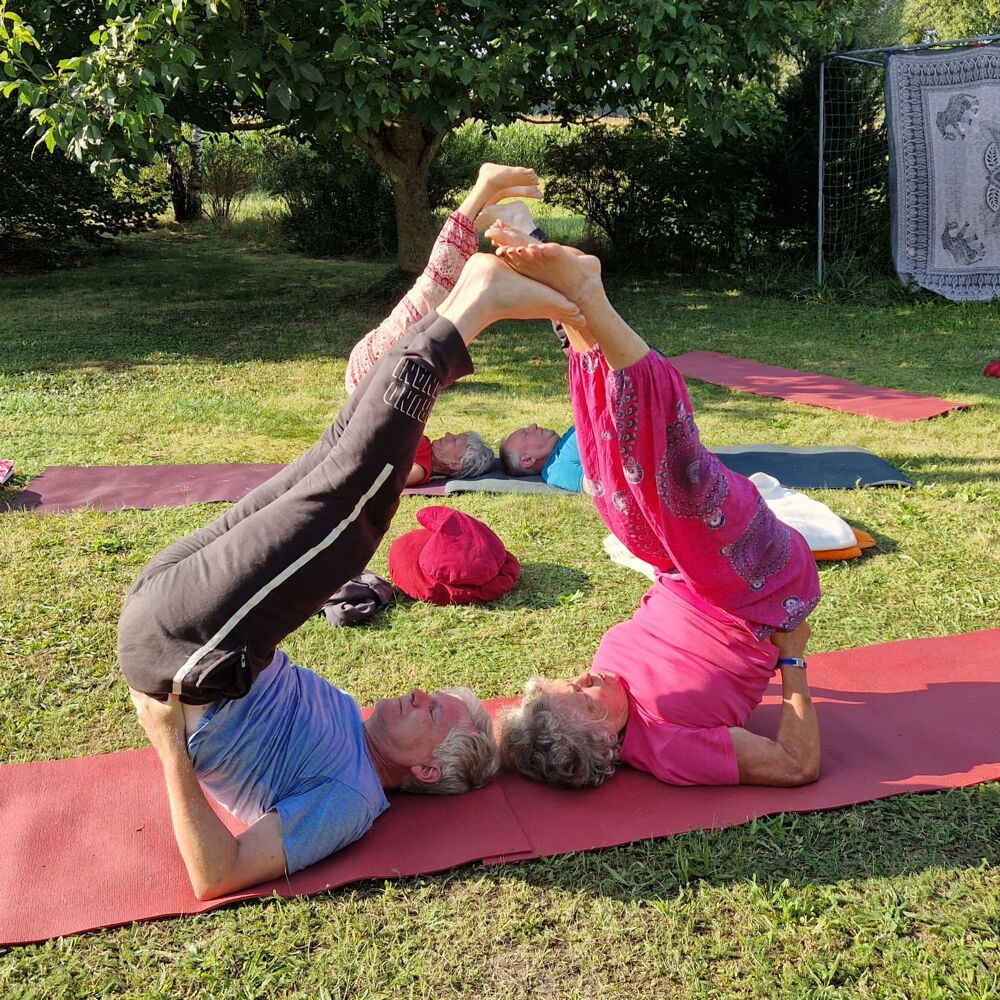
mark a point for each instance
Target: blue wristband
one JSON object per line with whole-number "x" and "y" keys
{"x": 792, "y": 661}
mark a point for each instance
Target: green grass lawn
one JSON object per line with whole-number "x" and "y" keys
{"x": 190, "y": 348}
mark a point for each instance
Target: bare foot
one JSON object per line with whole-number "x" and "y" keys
{"x": 496, "y": 177}
{"x": 502, "y": 234}
{"x": 514, "y": 215}
{"x": 523, "y": 191}
{"x": 496, "y": 182}
{"x": 577, "y": 275}
{"x": 488, "y": 290}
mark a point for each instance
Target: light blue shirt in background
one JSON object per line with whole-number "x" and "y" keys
{"x": 563, "y": 467}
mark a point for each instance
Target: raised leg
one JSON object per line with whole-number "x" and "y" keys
{"x": 656, "y": 486}
{"x": 205, "y": 617}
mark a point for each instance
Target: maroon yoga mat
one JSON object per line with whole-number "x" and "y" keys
{"x": 87, "y": 843}
{"x": 810, "y": 388}
{"x": 143, "y": 487}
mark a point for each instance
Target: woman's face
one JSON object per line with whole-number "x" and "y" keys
{"x": 594, "y": 695}
{"x": 448, "y": 451}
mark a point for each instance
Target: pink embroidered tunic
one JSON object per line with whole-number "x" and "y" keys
{"x": 455, "y": 244}
{"x": 696, "y": 656}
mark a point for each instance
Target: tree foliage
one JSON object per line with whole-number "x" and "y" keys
{"x": 55, "y": 210}
{"x": 339, "y": 202}
{"x": 109, "y": 79}
{"x": 947, "y": 19}
{"x": 113, "y": 76}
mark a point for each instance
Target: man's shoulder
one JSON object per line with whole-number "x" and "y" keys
{"x": 563, "y": 467}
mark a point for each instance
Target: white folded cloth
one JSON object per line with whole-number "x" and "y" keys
{"x": 818, "y": 525}
{"x": 615, "y": 548}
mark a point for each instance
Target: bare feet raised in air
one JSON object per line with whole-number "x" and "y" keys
{"x": 499, "y": 176}
{"x": 495, "y": 182}
{"x": 577, "y": 275}
{"x": 488, "y": 290}
{"x": 507, "y": 233}
{"x": 513, "y": 216}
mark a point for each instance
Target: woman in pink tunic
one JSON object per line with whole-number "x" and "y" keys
{"x": 670, "y": 690}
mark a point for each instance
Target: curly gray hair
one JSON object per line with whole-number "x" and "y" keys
{"x": 543, "y": 742}
{"x": 468, "y": 758}
{"x": 477, "y": 459}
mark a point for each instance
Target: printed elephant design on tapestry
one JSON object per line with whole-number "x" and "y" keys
{"x": 964, "y": 249}
{"x": 960, "y": 111}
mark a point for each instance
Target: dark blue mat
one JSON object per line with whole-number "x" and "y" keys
{"x": 796, "y": 468}
{"x": 813, "y": 468}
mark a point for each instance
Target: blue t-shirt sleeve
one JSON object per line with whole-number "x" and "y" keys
{"x": 563, "y": 467}
{"x": 323, "y": 819}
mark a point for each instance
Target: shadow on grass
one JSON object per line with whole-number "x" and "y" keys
{"x": 180, "y": 296}
{"x": 799, "y": 865}
{"x": 541, "y": 585}
{"x": 12, "y": 488}
{"x": 939, "y": 468}
{"x": 170, "y": 299}
{"x": 883, "y": 544}
{"x": 886, "y": 839}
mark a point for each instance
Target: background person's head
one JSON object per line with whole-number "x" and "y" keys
{"x": 523, "y": 452}
{"x": 566, "y": 732}
{"x": 461, "y": 456}
{"x": 440, "y": 743}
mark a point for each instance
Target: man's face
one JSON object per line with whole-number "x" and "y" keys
{"x": 534, "y": 444}
{"x": 410, "y": 728}
{"x": 599, "y": 697}
{"x": 449, "y": 450}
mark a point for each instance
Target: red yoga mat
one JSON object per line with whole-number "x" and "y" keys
{"x": 87, "y": 843}
{"x": 114, "y": 487}
{"x": 895, "y": 405}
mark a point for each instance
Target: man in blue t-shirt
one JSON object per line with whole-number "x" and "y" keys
{"x": 198, "y": 636}
{"x": 539, "y": 451}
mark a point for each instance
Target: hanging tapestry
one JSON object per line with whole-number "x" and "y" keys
{"x": 943, "y": 110}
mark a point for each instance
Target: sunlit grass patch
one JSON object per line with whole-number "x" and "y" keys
{"x": 187, "y": 347}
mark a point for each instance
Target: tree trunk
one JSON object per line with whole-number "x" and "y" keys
{"x": 185, "y": 193}
{"x": 405, "y": 151}
{"x": 195, "y": 174}
{"x": 175, "y": 175}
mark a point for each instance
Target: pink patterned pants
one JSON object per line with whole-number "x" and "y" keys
{"x": 674, "y": 504}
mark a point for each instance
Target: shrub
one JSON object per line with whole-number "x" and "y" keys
{"x": 55, "y": 209}
{"x": 525, "y": 144}
{"x": 268, "y": 152}
{"x": 339, "y": 202}
{"x": 230, "y": 174}
{"x": 662, "y": 192}
{"x": 615, "y": 178}
{"x": 467, "y": 147}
